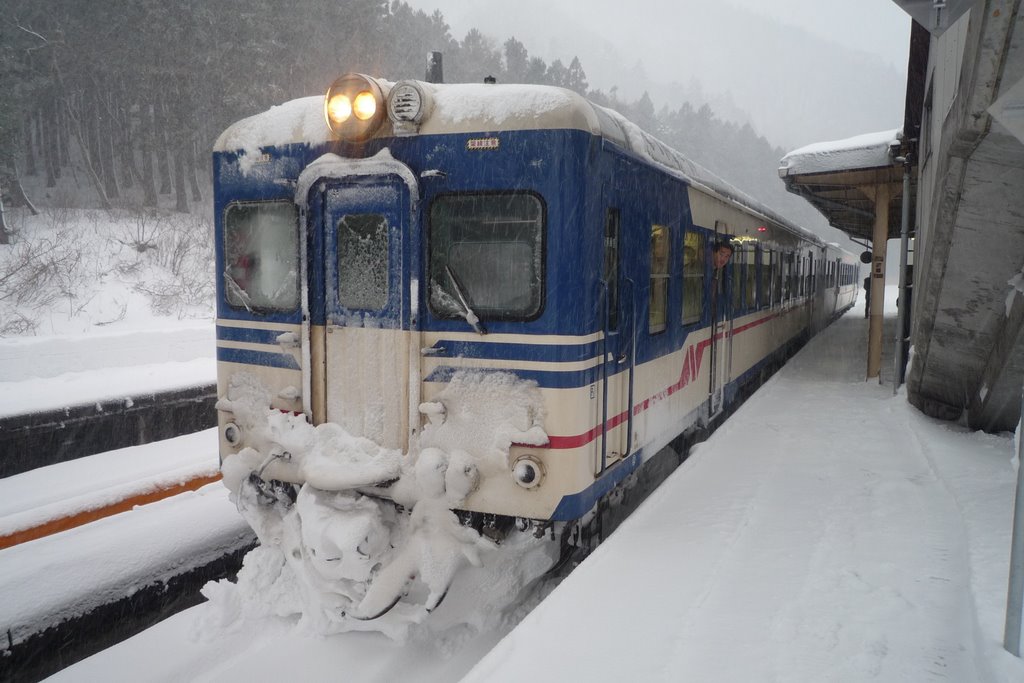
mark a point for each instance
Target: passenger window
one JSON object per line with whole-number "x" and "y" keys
{"x": 489, "y": 250}
{"x": 693, "y": 277}
{"x": 659, "y": 279}
{"x": 261, "y": 256}
{"x": 363, "y": 261}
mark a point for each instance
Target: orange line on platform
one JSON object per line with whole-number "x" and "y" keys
{"x": 86, "y": 516}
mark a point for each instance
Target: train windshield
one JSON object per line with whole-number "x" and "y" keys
{"x": 487, "y": 249}
{"x": 261, "y": 256}
{"x": 363, "y": 261}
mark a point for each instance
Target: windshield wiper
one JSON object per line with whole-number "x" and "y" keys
{"x": 468, "y": 313}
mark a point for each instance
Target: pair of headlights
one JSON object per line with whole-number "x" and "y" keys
{"x": 355, "y": 106}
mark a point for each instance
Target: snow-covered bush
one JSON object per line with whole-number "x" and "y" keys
{"x": 69, "y": 270}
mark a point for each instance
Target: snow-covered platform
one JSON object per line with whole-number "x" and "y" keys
{"x": 53, "y": 372}
{"x": 827, "y": 531}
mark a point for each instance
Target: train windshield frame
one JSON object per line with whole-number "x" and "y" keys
{"x": 486, "y": 255}
{"x": 261, "y": 256}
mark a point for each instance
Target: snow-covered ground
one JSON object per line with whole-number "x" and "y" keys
{"x": 98, "y": 305}
{"x": 827, "y": 532}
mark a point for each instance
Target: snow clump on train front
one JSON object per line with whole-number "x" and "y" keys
{"x": 337, "y": 557}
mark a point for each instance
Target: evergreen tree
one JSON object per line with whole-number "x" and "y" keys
{"x": 576, "y": 78}
{"x": 517, "y": 61}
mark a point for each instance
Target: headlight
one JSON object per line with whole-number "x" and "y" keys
{"x": 354, "y": 107}
{"x": 365, "y": 106}
{"x": 527, "y": 471}
{"x": 339, "y": 108}
{"x": 232, "y": 433}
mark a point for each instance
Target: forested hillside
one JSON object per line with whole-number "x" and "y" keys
{"x": 123, "y": 100}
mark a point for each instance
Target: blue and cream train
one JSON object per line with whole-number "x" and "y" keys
{"x": 377, "y": 243}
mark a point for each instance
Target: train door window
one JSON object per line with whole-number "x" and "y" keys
{"x": 778, "y": 259}
{"x": 658, "y": 319}
{"x": 738, "y": 278}
{"x": 363, "y": 261}
{"x": 693, "y": 277}
{"x": 486, "y": 254}
{"x": 261, "y": 256}
{"x": 750, "y": 275}
{"x": 766, "y": 278}
{"x": 787, "y": 277}
{"x": 611, "y": 265}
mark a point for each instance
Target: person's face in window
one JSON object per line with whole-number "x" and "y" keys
{"x": 721, "y": 257}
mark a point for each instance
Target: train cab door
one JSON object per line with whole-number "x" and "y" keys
{"x": 368, "y": 383}
{"x": 721, "y": 329}
{"x": 616, "y": 314}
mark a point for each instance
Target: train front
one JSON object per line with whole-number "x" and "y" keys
{"x": 363, "y": 358}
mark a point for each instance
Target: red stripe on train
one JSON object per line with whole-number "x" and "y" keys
{"x": 693, "y": 358}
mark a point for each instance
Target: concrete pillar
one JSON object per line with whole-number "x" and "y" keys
{"x": 881, "y": 195}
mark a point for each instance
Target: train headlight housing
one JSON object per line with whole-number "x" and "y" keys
{"x": 528, "y": 471}
{"x": 354, "y": 107}
{"x": 232, "y": 433}
{"x": 408, "y": 104}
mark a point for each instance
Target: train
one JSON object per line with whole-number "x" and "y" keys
{"x": 450, "y": 314}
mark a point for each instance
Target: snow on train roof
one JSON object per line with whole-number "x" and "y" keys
{"x": 469, "y": 107}
{"x": 457, "y": 108}
{"x": 870, "y": 150}
{"x": 299, "y": 120}
{"x": 645, "y": 145}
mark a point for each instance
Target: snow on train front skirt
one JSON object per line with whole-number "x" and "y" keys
{"x": 351, "y": 531}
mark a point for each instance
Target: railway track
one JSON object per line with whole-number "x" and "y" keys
{"x": 62, "y": 635}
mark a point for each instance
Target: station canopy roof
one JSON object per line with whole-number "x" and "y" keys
{"x": 838, "y": 178}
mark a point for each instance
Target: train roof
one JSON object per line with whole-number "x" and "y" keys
{"x": 474, "y": 107}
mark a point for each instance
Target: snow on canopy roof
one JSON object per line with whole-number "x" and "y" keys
{"x": 870, "y": 150}
{"x": 475, "y": 107}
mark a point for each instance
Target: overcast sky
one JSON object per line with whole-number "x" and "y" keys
{"x": 800, "y": 71}
{"x": 877, "y": 27}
